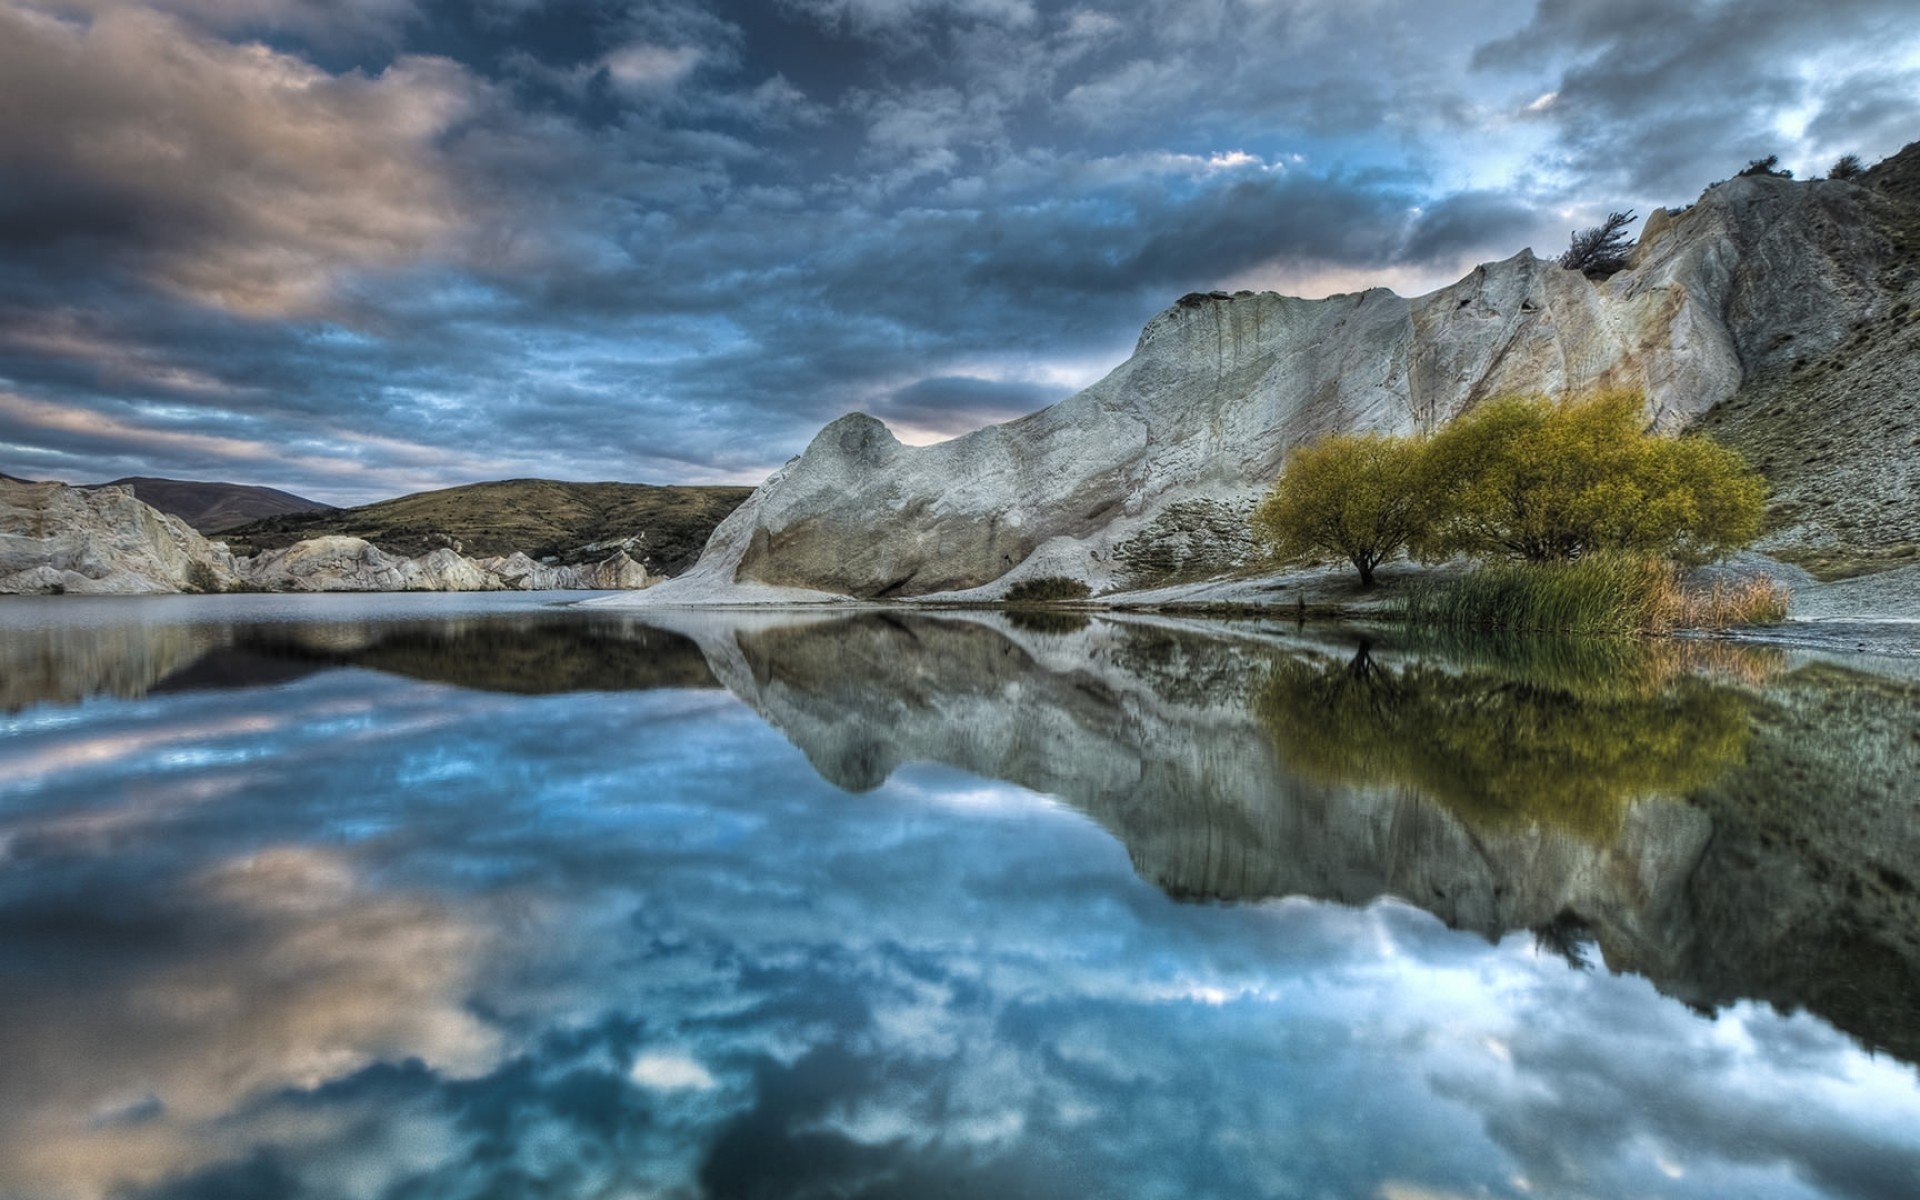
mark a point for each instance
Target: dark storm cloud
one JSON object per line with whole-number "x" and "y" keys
{"x": 398, "y": 243}
{"x": 1650, "y": 96}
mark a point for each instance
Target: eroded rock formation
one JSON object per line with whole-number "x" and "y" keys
{"x": 56, "y": 539}
{"x": 1759, "y": 279}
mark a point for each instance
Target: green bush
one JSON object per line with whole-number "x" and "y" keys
{"x": 1360, "y": 498}
{"x": 1532, "y": 478}
{"x": 1048, "y": 589}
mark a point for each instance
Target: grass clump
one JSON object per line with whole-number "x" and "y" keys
{"x": 1598, "y": 594}
{"x": 1728, "y": 603}
{"x": 1048, "y": 589}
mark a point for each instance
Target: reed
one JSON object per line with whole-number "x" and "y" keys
{"x": 1596, "y": 594}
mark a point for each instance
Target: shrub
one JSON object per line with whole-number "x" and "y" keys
{"x": 1603, "y": 250}
{"x": 200, "y": 578}
{"x": 1546, "y": 481}
{"x": 1847, "y": 166}
{"x": 1357, "y": 497}
{"x": 1048, "y": 589}
{"x": 1770, "y": 165}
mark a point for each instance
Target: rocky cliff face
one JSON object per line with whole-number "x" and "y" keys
{"x": 58, "y": 539}
{"x": 1758, "y": 279}
{"x": 54, "y": 538}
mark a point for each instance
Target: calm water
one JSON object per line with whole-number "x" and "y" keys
{"x": 385, "y": 897}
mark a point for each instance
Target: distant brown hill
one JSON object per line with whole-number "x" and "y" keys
{"x": 573, "y": 522}
{"x": 212, "y": 507}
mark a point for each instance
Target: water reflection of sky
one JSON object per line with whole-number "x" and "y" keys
{"x": 360, "y": 936}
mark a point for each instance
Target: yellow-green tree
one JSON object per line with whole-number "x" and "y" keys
{"x": 1357, "y": 497}
{"x": 1540, "y": 480}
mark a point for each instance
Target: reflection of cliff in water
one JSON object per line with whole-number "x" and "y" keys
{"x": 528, "y": 655}
{"x": 1727, "y": 840}
{"x": 532, "y": 654}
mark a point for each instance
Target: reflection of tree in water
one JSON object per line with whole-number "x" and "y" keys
{"x": 1041, "y": 620}
{"x": 1562, "y": 734}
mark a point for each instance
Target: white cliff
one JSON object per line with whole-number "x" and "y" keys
{"x": 56, "y": 539}
{"x": 1762, "y": 274}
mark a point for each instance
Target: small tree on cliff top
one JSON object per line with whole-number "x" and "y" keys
{"x": 1603, "y": 250}
{"x": 1357, "y": 497}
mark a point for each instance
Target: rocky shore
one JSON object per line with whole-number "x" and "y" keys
{"x": 56, "y": 539}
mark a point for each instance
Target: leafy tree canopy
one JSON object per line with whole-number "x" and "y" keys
{"x": 1540, "y": 480}
{"x": 1357, "y": 497}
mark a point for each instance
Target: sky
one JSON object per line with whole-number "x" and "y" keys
{"x": 358, "y": 248}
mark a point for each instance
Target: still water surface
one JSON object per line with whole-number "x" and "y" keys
{"x": 418, "y": 896}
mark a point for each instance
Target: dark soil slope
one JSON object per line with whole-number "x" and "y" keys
{"x": 211, "y": 507}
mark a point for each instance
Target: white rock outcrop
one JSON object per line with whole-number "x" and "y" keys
{"x": 100, "y": 541}
{"x": 1760, "y": 274}
{"x": 56, "y": 539}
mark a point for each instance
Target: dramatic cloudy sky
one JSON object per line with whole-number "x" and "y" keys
{"x": 361, "y": 247}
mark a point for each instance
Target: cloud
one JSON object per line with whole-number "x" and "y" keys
{"x": 668, "y": 241}
{"x": 232, "y": 175}
{"x": 330, "y": 22}
{"x": 298, "y": 975}
{"x": 1647, "y": 95}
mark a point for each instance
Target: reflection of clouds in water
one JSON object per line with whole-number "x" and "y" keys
{"x": 633, "y": 942}
{"x": 1763, "y": 1104}
{"x": 147, "y": 1050}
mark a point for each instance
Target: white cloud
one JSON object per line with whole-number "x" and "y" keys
{"x": 671, "y": 1072}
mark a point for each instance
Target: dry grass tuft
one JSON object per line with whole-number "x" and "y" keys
{"x": 1725, "y": 604}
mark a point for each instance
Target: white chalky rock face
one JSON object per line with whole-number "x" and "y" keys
{"x": 1760, "y": 274}
{"x": 55, "y": 538}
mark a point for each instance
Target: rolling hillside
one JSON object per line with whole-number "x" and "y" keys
{"x": 573, "y": 522}
{"x": 211, "y": 507}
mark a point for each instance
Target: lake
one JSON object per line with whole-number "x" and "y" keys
{"x": 384, "y": 897}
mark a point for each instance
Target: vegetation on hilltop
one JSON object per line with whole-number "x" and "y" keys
{"x": 543, "y": 518}
{"x": 1603, "y": 250}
